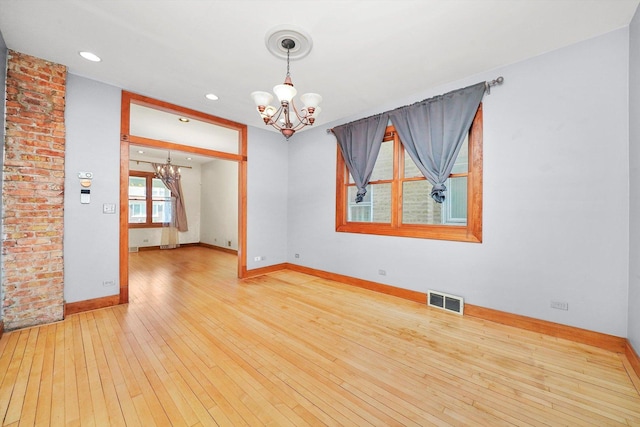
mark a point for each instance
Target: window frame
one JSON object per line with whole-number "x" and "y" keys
{"x": 471, "y": 232}
{"x": 149, "y": 177}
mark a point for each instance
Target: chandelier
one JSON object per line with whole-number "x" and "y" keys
{"x": 168, "y": 172}
{"x": 281, "y": 117}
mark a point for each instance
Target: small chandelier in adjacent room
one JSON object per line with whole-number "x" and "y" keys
{"x": 287, "y": 118}
{"x": 168, "y": 172}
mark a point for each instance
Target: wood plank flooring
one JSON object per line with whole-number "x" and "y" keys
{"x": 197, "y": 347}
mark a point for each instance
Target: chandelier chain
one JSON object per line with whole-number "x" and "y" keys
{"x": 288, "y": 74}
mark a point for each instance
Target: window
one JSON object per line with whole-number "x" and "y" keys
{"x": 398, "y": 200}
{"x": 149, "y": 201}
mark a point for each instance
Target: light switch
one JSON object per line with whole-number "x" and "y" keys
{"x": 109, "y": 208}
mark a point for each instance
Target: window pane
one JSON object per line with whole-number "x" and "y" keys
{"x": 137, "y": 211}
{"x": 410, "y": 168}
{"x": 137, "y": 187}
{"x": 381, "y": 201}
{"x": 417, "y": 205}
{"x": 359, "y": 212}
{"x": 158, "y": 190}
{"x": 161, "y": 202}
{"x": 455, "y": 204}
{"x": 137, "y": 200}
{"x": 375, "y": 207}
{"x": 384, "y": 164}
{"x": 161, "y": 211}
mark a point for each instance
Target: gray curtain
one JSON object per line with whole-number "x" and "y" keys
{"x": 360, "y": 143}
{"x": 179, "y": 213}
{"x": 432, "y": 131}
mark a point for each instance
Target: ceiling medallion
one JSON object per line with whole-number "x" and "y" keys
{"x": 302, "y": 42}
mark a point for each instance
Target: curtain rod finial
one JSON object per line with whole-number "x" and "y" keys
{"x": 494, "y": 82}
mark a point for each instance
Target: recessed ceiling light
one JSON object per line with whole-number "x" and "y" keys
{"x": 211, "y": 97}
{"x": 140, "y": 152}
{"x": 184, "y": 120}
{"x": 89, "y": 56}
{"x": 189, "y": 158}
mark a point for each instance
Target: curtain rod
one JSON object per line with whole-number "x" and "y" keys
{"x": 487, "y": 84}
{"x": 144, "y": 161}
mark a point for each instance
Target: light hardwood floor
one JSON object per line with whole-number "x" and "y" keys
{"x": 197, "y": 347}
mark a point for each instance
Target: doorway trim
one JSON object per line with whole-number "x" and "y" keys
{"x": 126, "y": 139}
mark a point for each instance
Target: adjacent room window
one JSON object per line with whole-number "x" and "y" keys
{"x": 149, "y": 201}
{"x": 398, "y": 201}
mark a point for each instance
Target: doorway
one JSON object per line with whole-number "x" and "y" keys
{"x": 158, "y": 125}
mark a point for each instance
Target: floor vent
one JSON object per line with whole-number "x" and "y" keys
{"x": 445, "y": 302}
{"x": 133, "y": 249}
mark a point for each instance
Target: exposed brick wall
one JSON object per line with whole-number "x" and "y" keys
{"x": 32, "y": 188}
{"x": 3, "y": 74}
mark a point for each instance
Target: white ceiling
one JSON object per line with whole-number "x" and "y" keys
{"x": 365, "y": 52}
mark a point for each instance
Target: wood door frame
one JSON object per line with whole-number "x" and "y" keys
{"x": 126, "y": 139}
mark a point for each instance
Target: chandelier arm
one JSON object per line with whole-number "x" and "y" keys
{"x": 273, "y": 120}
{"x": 302, "y": 116}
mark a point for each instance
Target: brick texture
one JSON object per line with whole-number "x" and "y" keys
{"x": 32, "y": 188}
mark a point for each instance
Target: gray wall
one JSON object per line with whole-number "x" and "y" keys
{"x": 266, "y": 198}
{"x": 555, "y": 226}
{"x": 3, "y": 90}
{"x": 91, "y": 238}
{"x": 634, "y": 183}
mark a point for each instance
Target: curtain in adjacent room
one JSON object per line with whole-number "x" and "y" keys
{"x": 178, "y": 212}
{"x": 432, "y": 131}
{"x": 175, "y": 186}
{"x": 360, "y": 143}
{"x": 170, "y": 239}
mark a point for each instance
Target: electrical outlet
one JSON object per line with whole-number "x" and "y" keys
{"x": 382, "y": 272}
{"x": 109, "y": 283}
{"x": 257, "y": 258}
{"x": 228, "y": 242}
{"x": 560, "y": 305}
{"x": 297, "y": 255}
